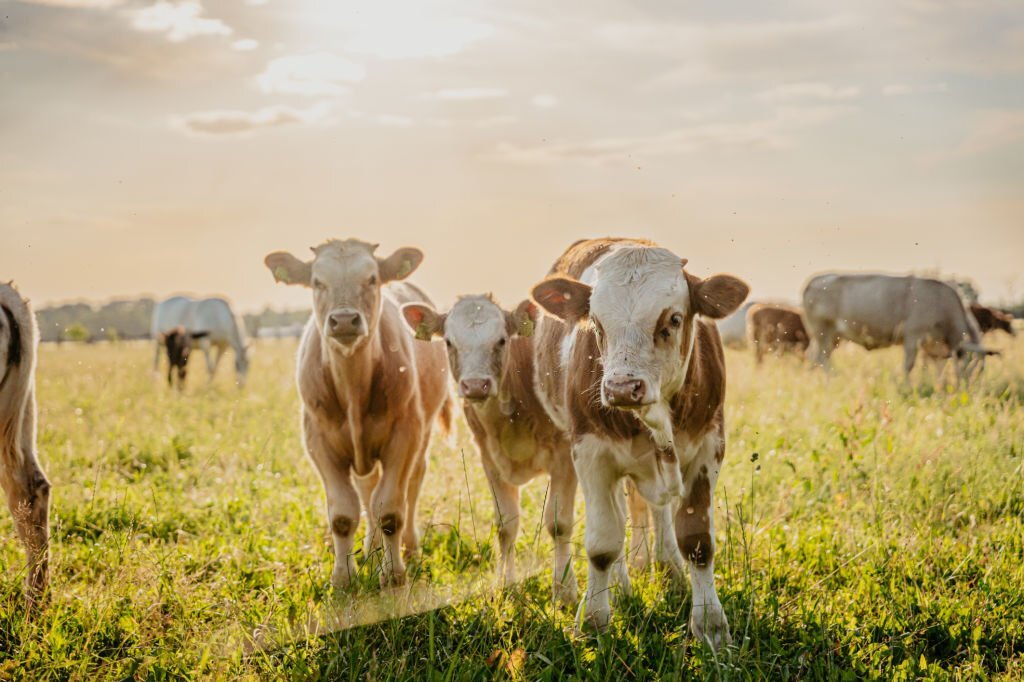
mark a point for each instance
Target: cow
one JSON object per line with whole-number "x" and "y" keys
{"x": 630, "y": 366}
{"x": 490, "y": 352}
{"x": 776, "y": 329}
{"x": 370, "y": 394}
{"x": 990, "y": 319}
{"x": 733, "y": 329}
{"x": 178, "y": 343}
{"x": 22, "y": 477}
{"x": 211, "y": 315}
{"x": 877, "y": 311}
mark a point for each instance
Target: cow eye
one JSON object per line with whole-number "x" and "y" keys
{"x": 501, "y": 342}
{"x": 448, "y": 343}
{"x": 372, "y": 280}
{"x": 318, "y": 284}
{"x": 676, "y": 319}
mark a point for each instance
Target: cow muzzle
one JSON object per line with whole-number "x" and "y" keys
{"x": 346, "y": 326}
{"x": 476, "y": 388}
{"x": 625, "y": 392}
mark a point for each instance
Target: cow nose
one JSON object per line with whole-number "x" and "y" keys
{"x": 345, "y": 323}
{"x": 625, "y": 392}
{"x": 475, "y": 389}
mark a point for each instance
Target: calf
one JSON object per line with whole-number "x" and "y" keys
{"x": 178, "y": 343}
{"x": 23, "y": 480}
{"x": 370, "y": 395}
{"x": 990, "y": 319}
{"x": 776, "y": 329}
{"x": 631, "y": 367}
{"x": 490, "y": 351}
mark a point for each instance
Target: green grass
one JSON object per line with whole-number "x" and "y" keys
{"x": 865, "y": 529}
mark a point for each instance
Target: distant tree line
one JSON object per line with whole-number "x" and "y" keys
{"x": 130, "y": 319}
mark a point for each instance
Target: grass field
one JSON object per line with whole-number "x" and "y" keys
{"x": 865, "y": 530}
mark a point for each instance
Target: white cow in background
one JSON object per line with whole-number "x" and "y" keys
{"x": 211, "y": 315}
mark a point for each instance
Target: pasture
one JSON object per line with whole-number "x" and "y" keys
{"x": 866, "y": 529}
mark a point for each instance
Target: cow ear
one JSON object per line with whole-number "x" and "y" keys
{"x": 423, "y": 320}
{"x": 400, "y": 264}
{"x": 521, "y": 321}
{"x": 565, "y": 298}
{"x": 718, "y": 296}
{"x": 289, "y": 269}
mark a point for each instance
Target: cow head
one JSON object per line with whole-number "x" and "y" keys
{"x": 346, "y": 278}
{"x": 642, "y": 307}
{"x": 477, "y": 332}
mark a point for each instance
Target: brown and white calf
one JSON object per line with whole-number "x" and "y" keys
{"x": 370, "y": 395}
{"x": 776, "y": 329}
{"x": 490, "y": 351}
{"x": 23, "y": 480}
{"x": 632, "y": 367}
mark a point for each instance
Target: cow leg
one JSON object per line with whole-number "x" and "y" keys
{"x": 342, "y": 506}
{"x": 639, "y": 522}
{"x": 822, "y": 345}
{"x": 666, "y": 546}
{"x": 558, "y": 519}
{"x": 695, "y": 532}
{"x": 216, "y": 359}
{"x": 156, "y": 358}
{"x": 366, "y": 485}
{"x": 506, "y": 517}
{"x": 388, "y": 501}
{"x": 411, "y": 534}
{"x": 605, "y": 532}
{"x": 909, "y": 358}
{"x": 204, "y": 345}
{"x": 28, "y": 498}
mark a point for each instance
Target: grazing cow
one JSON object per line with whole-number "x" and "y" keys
{"x": 631, "y": 368}
{"x": 990, "y": 319}
{"x": 23, "y": 480}
{"x": 490, "y": 351}
{"x": 776, "y": 329}
{"x": 370, "y": 395}
{"x": 211, "y": 315}
{"x": 733, "y": 329}
{"x": 876, "y": 311}
{"x": 178, "y": 343}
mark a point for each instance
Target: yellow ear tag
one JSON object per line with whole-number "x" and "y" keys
{"x": 423, "y": 332}
{"x": 526, "y": 328}
{"x": 281, "y": 274}
{"x": 405, "y": 270}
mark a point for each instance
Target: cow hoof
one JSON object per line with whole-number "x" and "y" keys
{"x": 708, "y": 624}
{"x": 393, "y": 579}
{"x": 565, "y": 592}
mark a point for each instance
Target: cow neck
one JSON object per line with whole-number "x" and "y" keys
{"x": 351, "y": 377}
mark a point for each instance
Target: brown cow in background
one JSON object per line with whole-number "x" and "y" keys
{"x": 776, "y": 329}
{"x": 990, "y": 319}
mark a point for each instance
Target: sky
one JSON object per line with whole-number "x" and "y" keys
{"x": 158, "y": 146}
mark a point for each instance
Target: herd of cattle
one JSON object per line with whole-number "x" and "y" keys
{"x": 610, "y": 375}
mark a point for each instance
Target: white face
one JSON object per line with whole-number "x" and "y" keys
{"x": 639, "y": 307}
{"x": 346, "y": 293}
{"x": 476, "y": 333}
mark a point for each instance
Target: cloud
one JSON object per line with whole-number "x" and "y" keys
{"x": 230, "y": 122}
{"x": 179, "y": 21}
{"x": 821, "y": 91}
{"x": 465, "y": 94}
{"x": 395, "y": 121}
{"x": 494, "y": 121}
{"x": 543, "y": 101}
{"x": 774, "y": 132}
{"x": 409, "y": 30}
{"x": 993, "y": 129}
{"x": 76, "y": 4}
{"x": 897, "y": 89}
{"x": 315, "y": 74}
{"x": 245, "y": 45}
